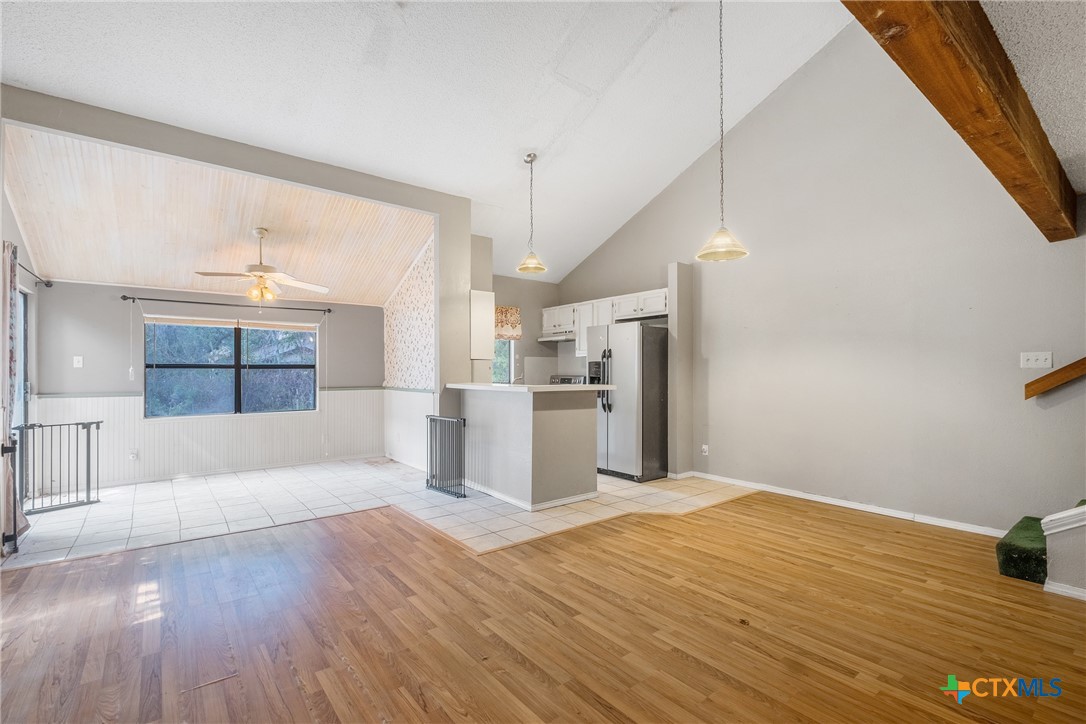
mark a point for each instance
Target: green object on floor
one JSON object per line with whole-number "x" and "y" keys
{"x": 1022, "y": 552}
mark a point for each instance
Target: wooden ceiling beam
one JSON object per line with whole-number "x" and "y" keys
{"x": 952, "y": 54}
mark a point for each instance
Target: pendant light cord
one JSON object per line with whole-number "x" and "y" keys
{"x": 531, "y": 205}
{"x": 721, "y": 29}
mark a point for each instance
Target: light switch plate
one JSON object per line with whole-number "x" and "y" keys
{"x": 77, "y": 362}
{"x": 1036, "y": 360}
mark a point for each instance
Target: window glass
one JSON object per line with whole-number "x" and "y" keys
{"x": 501, "y": 367}
{"x": 175, "y": 392}
{"x": 189, "y": 344}
{"x": 196, "y": 370}
{"x": 278, "y": 346}
{"x": 277, "y": 390}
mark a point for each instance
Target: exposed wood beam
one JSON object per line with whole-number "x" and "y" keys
{"x": 952, "y": 54}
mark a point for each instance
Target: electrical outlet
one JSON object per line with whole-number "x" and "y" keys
{"x": 133, "y": 454}
{"x": 77, "y": 362}
{"x": 1036, "y": 360}
{"x": 704, "y": 449}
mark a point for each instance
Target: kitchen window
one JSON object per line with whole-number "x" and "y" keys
{"x": 502, "y": 366}
{"x": 194, "y": 367}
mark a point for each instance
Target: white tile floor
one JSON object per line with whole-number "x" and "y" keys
{"x": 169, "y": 511}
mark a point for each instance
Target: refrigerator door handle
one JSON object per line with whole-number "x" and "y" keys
{"x": 602, "y": 394}
{"x": 610, "y": 407}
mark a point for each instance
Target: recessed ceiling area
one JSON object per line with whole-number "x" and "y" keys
{"x": 616, "y": 98}
{"x": 91, "y": 212}
{"x": 1046, "y": 42}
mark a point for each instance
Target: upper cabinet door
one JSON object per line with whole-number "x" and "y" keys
{"x": 558, "y": 319}
{"x": 627, "y": 306}
{"x": 550, "y": 319}
{"x": 564, "y": 318}
{"x": 585, "y": 317}
{"x": 603, "y": 312}
{"x": 651, "y": 303}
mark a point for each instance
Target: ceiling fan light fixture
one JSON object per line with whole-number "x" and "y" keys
{"x": 255, "y": 293}
{"x": 267, "y": 294}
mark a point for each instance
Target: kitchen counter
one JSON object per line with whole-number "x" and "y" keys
{"x": 527, "y": 388}
{"x": 530, "y": 445}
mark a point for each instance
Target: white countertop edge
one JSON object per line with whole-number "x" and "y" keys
{"x": 483, "y": 387}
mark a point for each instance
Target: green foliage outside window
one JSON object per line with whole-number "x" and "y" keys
{"x": 502, "y": 365}
{"x": 204, "y": 370}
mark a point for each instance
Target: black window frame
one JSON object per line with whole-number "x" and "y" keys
{"x": 238, "y": 366}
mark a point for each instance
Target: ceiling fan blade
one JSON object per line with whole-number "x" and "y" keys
{"x": 273, "y": 286}
{"x": 288, "y": 280}
{"x": 236, "y": 275}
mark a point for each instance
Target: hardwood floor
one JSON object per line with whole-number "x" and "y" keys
{"x": 764, "y": 608}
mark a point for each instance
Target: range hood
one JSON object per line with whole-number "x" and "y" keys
{"x": 558, "y": 337}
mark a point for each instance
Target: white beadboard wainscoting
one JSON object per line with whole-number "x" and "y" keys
{"x": 405, "y": 425}
{"x": 348, "y": 423}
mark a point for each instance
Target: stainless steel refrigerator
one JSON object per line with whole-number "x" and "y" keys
{"x": 631, "y": 428}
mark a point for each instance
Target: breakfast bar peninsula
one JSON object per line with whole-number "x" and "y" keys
{"x": 531, "y": 445}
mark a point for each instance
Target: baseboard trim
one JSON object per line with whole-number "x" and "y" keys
{"x": 524, "y": 504}
{"x": 1062, "y": 589}
{"x": 878, "y": 510}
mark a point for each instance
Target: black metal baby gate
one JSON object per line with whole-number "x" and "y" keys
{"x": 57, "y": 466}
{"x": 445, "y": 463}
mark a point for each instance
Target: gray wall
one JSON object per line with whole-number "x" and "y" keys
{"x": 531, "y": 296}
{"x": 868, "y": 348}
{"x": 90, "y": 320}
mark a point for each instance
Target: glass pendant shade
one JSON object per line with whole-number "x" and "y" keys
{"x": 722, "y": 246}
{"x": 254, "y": 293}
{"x": 531, "y": 264}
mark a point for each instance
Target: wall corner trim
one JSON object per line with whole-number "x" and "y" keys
{"x": 878, "y": 510}
{"x": 1062, "y": 589}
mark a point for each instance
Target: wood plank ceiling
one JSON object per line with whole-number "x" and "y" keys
{"x": 952, "y": 54}
{"x": 90, "y": 212}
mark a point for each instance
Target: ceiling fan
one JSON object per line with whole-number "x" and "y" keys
{"x": 266, "y": 279}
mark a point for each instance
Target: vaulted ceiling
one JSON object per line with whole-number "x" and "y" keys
{"x": 91, "y": 212}
{"x": 616, "y": 98}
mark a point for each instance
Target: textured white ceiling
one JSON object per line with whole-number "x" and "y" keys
{"x": 617, "y": 98}
{"x": 1046, "y": 41}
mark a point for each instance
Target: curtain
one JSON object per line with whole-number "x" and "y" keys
{"x": 10, "y": 313}
{"x": 507, "y": 323}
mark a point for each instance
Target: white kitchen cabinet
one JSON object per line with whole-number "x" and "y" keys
{"x": 642, "y": 304}
{"x": 584, "y": 316}
{"x": 482, "y": 325}
{"x": 652, "y": 303}
{"x": 626, "y": 307}
{"x": 603, "y": 312}
{"x": 558, "y": 319}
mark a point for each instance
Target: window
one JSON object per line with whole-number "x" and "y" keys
{"x": 502, "y": 367}
{"x": 203, "y": 369}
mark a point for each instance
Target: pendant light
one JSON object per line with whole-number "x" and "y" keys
{"x": 722, "y": 245}
{"x": 531, "y": 263}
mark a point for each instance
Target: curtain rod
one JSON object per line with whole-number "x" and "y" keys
{"x": 43, "y": 281}
{"x": 126, "y": 298}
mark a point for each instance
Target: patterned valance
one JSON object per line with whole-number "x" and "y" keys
{"x": 507, "y": 323}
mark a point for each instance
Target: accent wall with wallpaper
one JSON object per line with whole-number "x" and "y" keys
{"x": 91, "y": 322}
